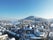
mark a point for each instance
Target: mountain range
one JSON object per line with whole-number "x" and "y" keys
{"x": 33, "y": 18}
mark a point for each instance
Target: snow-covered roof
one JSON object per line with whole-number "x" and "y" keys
{"x": 51, "y": 25}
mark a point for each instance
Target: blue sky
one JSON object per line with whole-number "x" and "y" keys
{"x": 23, "y": 8}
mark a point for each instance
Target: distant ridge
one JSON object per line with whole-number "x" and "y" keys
{"x": 34, "y": 18}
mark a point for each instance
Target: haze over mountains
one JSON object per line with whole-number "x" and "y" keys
{"x": 33, "y": 18}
